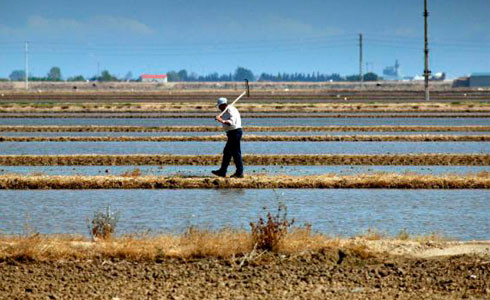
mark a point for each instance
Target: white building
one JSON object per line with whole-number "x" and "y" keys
{"x": 162, "y": 78}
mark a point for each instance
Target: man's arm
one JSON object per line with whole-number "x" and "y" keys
{"x": 231, "y": 121}
{"x": 220, "y": 119}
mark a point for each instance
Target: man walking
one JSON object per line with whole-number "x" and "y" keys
{"x": 232, "y": 124}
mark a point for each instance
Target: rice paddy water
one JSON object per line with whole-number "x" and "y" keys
{"x": 459, "y": 214}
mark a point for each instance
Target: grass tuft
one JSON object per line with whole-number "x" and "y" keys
{"x": 268, "y": 233}
{"x": 102, "y": 226}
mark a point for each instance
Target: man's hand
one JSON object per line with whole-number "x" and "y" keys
{"x": 219, "y": 119}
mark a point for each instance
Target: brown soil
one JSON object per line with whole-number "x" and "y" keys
{"x": 48, "y": 128}
{"x": 358, "y": 181}
{"x": 271, "y": 92}
{"x": 255, "y": 138}
{"x": 169, "y": 107}
{"x": 326, "y": 274}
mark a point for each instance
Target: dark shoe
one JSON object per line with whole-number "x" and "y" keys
{"x": 237, "y": 175}
{"x": 219, "y": 173}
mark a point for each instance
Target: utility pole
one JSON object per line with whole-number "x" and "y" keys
{"x": 426, "y": 52}
{"x": 360, "y": 59}
{"x": 26, "y": 68}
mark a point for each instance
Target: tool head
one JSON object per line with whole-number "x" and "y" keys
{"x": 248, "y": 87}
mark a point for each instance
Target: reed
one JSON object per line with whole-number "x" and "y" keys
{"x": 329, "y": 181}
{"x": 250, "y": 159}
{"x": 254, "y": 138}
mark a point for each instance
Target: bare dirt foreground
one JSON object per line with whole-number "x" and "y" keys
{"x": 404, "y": 270}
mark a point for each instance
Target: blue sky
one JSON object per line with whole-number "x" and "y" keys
{"x": 266, "y": 36}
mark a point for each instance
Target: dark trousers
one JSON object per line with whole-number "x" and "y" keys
{"x": 232, "y": 149}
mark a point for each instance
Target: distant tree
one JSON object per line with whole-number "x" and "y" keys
{"x": 54, "y": 74}
{"x": 242, "y": 74}
{"x": 76, "y": 78}
{"x": 129, "y": 76}
{"x": 106, "y": 76}
{"x": 173, "y": 76}
{"x": 352, "y": 78}
{"x": 183, "y": 76}
{"x": 371, "y": 77}
{"x": 335, "y": 77}
{"x": 17, "y": 75}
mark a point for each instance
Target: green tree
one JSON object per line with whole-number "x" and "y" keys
{"x": 242, "y": 74}
{"x": 173, "y": 76}
{"x": 106, "y": 76}
{"x": 352, "y": 78}
{"x": 76, "y": 78}
{"x": 17, "y": 75}
{"x": 183, "y": 75}
{"x": 371, "y": 77}
{"x": 54, "y": 74}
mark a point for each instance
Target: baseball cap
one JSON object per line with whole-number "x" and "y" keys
{"x": 221, "y": 100}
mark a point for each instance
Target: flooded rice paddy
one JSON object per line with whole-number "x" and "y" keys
{"x": 457, "y": 214}
{"x": 202, "y": 148}
{"x": 190, "y": 171}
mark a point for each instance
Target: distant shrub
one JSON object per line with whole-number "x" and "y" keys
{"x": 103, "y": 224}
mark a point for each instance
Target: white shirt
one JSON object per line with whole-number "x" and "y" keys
{"x": 233, "y": 116}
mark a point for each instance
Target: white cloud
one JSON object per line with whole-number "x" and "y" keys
{"x": 271, "y": 27}
{"x": 276, "y": 25}
{"x": 100, "y": 26}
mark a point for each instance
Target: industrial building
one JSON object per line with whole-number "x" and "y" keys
{"x": 161, "y": 78}
{"x": 474, "y": 80}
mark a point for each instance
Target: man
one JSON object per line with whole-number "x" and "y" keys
{"x": 232, "y": 124}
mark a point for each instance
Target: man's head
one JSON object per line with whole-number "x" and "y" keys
{"x": 222, "y": 103}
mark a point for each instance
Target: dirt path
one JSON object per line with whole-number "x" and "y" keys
{"x": 332, "y": 274}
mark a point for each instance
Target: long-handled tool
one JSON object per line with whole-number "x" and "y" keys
{"x": 246, "y": 92}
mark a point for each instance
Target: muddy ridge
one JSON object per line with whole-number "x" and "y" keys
{"x": 358, "y": 181}
{"x": 255, "y": 138}
{"x": 9, "y": 128}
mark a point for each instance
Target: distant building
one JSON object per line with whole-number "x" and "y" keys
{"x": 162, "y": 78}
{"x": 480, "y": 80}
{"x": 392, "y": 72}
{"x": 462, "y": 82}
{"x": 474, "y": 80}
{"x": 439, "y": 76}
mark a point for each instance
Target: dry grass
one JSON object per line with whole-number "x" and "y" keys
{"x": 251, "y": 159}
{"x": 255, "y": 138}
{"x": 9, "y": 128}
{"x": 195, "y": 243}
{"x": 244, "y": 115}
{"x": 231, "y": 244}
{"x": 360, "y": 181}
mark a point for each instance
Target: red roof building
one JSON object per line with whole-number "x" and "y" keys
{"x": 154, "y": 78}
